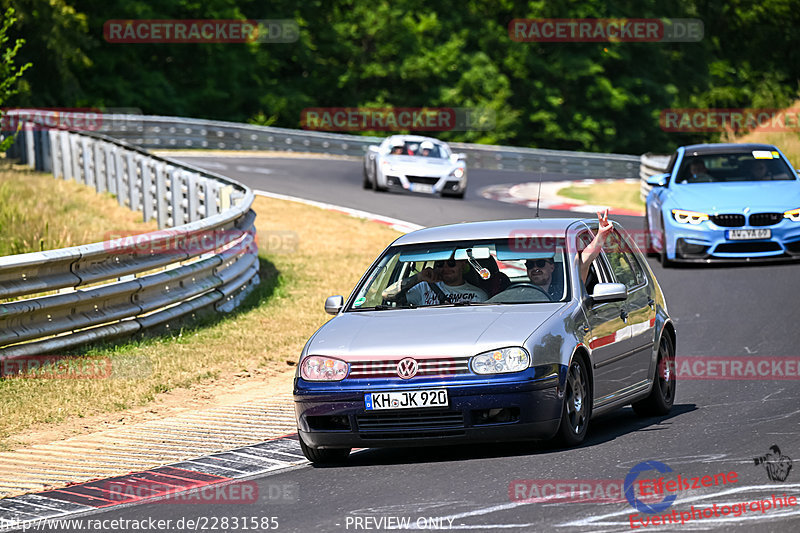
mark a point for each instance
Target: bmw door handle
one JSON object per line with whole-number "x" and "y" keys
{"x": 651, "y": 303}
{"x": 623, "y": 314}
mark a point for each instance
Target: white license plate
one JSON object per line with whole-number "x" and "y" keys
{"x": 420, "y": 187}
{"x": 374, "y": 401}
{"x": 748, "y": 234}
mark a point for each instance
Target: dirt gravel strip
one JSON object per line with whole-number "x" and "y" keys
{"x": 223, "y": 443}
{"x": 526, "y": 194}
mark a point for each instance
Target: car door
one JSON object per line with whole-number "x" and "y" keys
{"x": 628, "y": 368}
{"x": 607, "y": 337}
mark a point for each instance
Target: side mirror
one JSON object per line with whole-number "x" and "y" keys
{"x": 658, "y": 180}
{"x": 609, "y": 292}
{"x": 334, "y": 304}
{"x": 455, "y": 158}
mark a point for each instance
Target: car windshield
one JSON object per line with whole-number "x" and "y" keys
{"x": 755, "y": 165}
{"x": 432, "y": 152}
{"x": 464, "y": 273}
{"x": 414, "y": 148}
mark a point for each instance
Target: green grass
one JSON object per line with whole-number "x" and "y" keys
{"x": 622, "y": 195}
{"x": 38, "y": 212}
{"x": 265, "y": 334}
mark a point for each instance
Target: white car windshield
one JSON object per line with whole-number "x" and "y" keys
{"x": 486, "y": 272}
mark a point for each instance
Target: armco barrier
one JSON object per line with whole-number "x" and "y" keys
{"x": 650, "y": 165}
{"x": 106, "y": 289}
{"x": 154, "y": 132}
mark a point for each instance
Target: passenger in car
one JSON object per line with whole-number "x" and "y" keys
{"x": 540, "y": 271}
{"x": 444, "y": 283}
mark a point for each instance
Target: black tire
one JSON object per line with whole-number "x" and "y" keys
{"x": 662, "y": 395}
{"x": 324, "y": 456}
{"x": 378, "y": 188}
{"x": 577, "y": 407}
{"x": 367, "y": 182}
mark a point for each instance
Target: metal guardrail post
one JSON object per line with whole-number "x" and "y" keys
{"x": 122, "y": 289}
{"x": 162, "y": 203}
{"x": 30, "y": 151}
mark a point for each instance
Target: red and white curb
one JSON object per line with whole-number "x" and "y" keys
{"x": 197, "y": 480}
{"x": 30, "y": 511}
{"x": 526, "y": 194}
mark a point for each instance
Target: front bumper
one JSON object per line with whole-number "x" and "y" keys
{"x": 707, "y": 242}
{"x": 526, "y": 405}
{"x": 426, "y": 184}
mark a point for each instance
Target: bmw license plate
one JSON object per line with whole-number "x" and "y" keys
{"x": 374, "y": 401}
{"x": 748, "y": 234}
{"x": 420, "y": 187}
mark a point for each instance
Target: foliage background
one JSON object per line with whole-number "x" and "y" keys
{"x": 575, "y": 96}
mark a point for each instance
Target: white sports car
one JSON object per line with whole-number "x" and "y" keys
{"x": 417, "y": 164}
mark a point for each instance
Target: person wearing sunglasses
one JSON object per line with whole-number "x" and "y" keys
{"x": 540, "y": 271}
{"x": 442, "y": 284}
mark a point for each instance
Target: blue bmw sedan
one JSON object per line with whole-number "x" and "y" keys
{"x": 724, "y": 202}
{"x": 486, "y": 331}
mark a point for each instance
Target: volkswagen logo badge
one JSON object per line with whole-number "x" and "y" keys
{"x": 407, "y": 368}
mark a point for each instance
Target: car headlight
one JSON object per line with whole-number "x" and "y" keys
{"x": 319, "y": 368}
{"x": 457, "y": 173}
{"x": 501, "y": 361}
{"x": 688, "y": 217}
{"x": 793, "y": 215}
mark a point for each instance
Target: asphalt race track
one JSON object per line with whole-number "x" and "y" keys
{"x": 715, "y": 426}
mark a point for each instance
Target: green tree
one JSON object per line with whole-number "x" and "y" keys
{"x": 9, "y": 71}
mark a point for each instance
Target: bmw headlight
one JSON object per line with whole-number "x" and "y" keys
{"x": 688, "y": 217}
{"x": 793, "y": 215}
{"x": 318, "y": 368}
{"x": 501, "y": 361}
{"x": 458, "y": 172}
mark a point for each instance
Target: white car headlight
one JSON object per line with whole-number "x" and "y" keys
{"x": 457, "y": 173}
{"x": 793, "y": 215}
{"x": 319, "y": 368}
{"x": 688, "y": 217}
{"x": 501, "y": 361}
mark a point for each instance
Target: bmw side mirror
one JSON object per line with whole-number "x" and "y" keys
{"x": 334, "y": 304}
{"x": 609, "y": 292}
{"x": 658, "y": 180}
{"x": 455, "y": 158}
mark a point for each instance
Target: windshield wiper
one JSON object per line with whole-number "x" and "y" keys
{"x": 383, "y": 307}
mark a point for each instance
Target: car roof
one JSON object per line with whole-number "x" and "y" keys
{"x": 417, "y": 138}
{"x": 493, "y": 229}
{"x": 713, "y": 148}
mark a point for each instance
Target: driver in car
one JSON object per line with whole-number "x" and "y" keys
{"x": 425, "y": 149}
{"x": 444, "y": 283}
{"x": 398, "y": 147}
